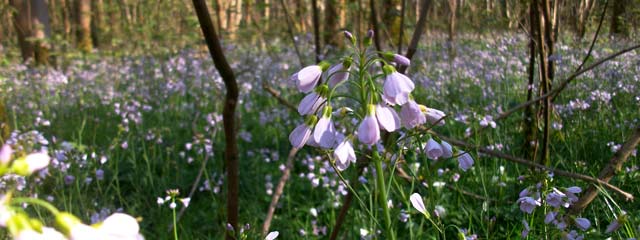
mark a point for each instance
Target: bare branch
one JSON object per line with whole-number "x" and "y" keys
{"x": 557, "y": 172}
{"x": 278, "y": 193}
{"x": 610, "y": 170}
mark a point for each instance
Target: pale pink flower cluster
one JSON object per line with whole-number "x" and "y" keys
{"x": 319, "y": 130}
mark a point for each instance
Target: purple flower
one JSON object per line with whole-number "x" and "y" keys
{"x": 550, "y": 217}
{"x": 368, "y": 131}
{"x": 525, "y": 231}
{"x": 387, "y": 117}
{"x": 349, "y": 36}
{"x": 613, "y": 226}
{"x": 583, "y": 223}
{"x": 308, "y": 77}
{"x": 465, "y": 161}
{"x": 433, "y": 115}
{"x": 344, "y": 154}
{"x": 527, "y": 204}
{"x": 325, "y": 133}
{"x": 339, "y": 72}
{"x": 300, "y": 135}
{"x": 433, "y": 150}
{"x": 447, "y": 149}
{"x": 555, "y": 199}
{"x": 571, "y": 193}
{"x": 396, "y": 87}
{"x": 573, "y": 235}
{"x": 310, "y": 104}
{"x": 397, "y": 58}
{"x": 411, "y": 115}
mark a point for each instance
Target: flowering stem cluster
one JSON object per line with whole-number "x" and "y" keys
{"x": 354, "y": 79}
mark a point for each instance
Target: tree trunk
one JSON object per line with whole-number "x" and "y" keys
{"x": 22, "y": 25}
{"x": 618, "y": 25}
{"x": 316, "y": 29}
{"x": 41, "y": 31}
{"x": 390, "y": 20}
{"x": 83, "y": 19}
{"x": 530, "y": 118}
{"x": 453, "y": 6}
{"x": 331, "y": 21}
{"x": 96, "y": 28}
{"x": 228, "y": 114}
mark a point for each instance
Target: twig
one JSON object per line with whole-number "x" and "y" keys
{"x": 610, "y": 170}
{"x": 276, "y": 95}
{"x": 420, "y": 27}
{"x": 561, "y": 86}
{"x": 290, "y": 32}
{"x": 278, "y": 193}
{"x": 557, "y": 172}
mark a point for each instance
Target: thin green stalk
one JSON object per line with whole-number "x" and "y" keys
{"x": 382, "y": 191}
{"x": 175, "y": 227}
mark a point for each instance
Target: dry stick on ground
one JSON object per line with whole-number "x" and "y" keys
{"x": 228, "y": 114}
{"x": 278, "y": 193}
{"x": 290, "y": 32}
{"x": 523, "y": 161}
{"x": 610, "y": 170}
{"x": 420, "y": 27}
{"x": 553, "y": 93}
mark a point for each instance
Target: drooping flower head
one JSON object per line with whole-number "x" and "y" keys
{"x": 313, "y": 101}
{"x": 369, "y": 131}
{"x": 396, "y": 87}
{"x": 465, "y": 161}
{"x": 308, "y": 77}
{"x": 300, "y": 135}
{"x": 411, "y": 115}
{"x": 433, "y": 149}
{"x": 434, "y": 116}
{"x": 397, "y": 58}
{"x": 344, "y": 155}
{"x": 339, "y": 72}
{"x": 325, "y": 133}
{"x": 387, "y": 117}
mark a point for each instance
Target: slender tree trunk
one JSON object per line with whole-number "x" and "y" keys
{"x": 331, "y": 21}
{"x": 316, "y": 29}
{"x": 229, "y": 119}
{"x": 453, "y": 6}
{"x": 84, "y": 25}
{"x": 545, "y": 82}
{"x": 618, "y": 25}
{"x": 390, "y": 21}
{"x": 421, "y": 26}
{"x": 530, "y": 118}
{"x": 22, "y": 24}
{"x": 96, "y": 22}
{"x": 41, "y": 31}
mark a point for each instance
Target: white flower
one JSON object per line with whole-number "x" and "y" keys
{"x": 272, "y": 235}
{"x": 416, "y": 202}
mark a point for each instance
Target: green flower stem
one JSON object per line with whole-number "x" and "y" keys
{"x": 39, "y": 202}
{"x": 382, "y": 194}
{"x": 175, "y": 226}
